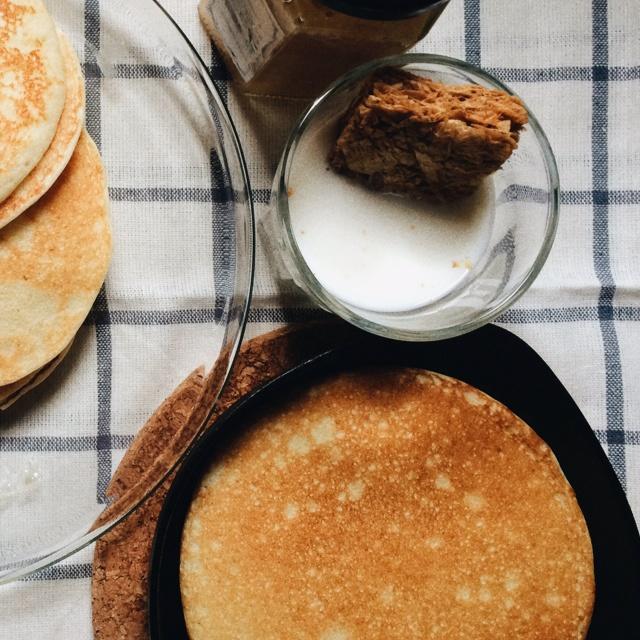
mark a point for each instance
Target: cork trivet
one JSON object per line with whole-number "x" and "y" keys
{"x": 146, "y": 446}
{"x": 121, "y": 558}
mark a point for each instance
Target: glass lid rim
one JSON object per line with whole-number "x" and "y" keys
{"x": 58, "y": 551}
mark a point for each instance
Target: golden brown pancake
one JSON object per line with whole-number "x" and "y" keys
{"x": 56, "y": 157}
{"x": 387, "y": 505}
{"x": 53, "y": 260}
{"x": 32, "y": 88}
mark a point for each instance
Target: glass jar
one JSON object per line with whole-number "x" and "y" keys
{"x": 297, "y": 47}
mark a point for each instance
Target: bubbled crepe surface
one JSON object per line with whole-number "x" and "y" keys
{"x": 382, "y": 505}
{"x": 57, "y": 155}
{"x": 53, "y": 260}
{"x": 32, "y": 88}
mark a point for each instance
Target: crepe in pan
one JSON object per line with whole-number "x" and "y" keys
{"x": 384, "y": 505}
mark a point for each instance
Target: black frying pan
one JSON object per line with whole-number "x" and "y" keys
{"x": 500, "y": 364}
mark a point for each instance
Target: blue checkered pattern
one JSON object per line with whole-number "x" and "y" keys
{"x": 577, "y": 65}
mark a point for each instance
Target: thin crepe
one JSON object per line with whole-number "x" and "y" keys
{"x": 383, "y": 505}
{"x": 10, "y": 393}
{"x": 32, "y": 88}
{"x": 56, "y": 157}
{"x": 53, "y": 261}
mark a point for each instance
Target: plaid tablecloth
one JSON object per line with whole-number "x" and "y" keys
{"x": 577, "y": 65}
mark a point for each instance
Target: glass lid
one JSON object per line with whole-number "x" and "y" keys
{"x": 176, "y": 292}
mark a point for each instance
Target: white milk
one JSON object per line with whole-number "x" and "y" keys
{"x": 376, "y": 251}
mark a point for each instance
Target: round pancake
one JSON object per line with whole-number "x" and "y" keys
{"x": 32, "y": 88}
{"x": 53, "y": 260}
{"x": 387, "y": 505}
{"x": 10, "y": 393}
{"x": 56, "y": 157}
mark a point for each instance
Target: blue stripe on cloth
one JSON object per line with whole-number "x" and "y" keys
{"x": 621, "y": 74}
{"x": 565, "y": 74}
{"x": 598, "y": 196}
{"x": 628, "y": 438}
{"x": 626, "y": 314}
{"x": 202, "y": 316}
{"x": 601, "y": 248}
{"x": 472, "y": 31}
{"x": 104, "y": 367}
{"x": 52, "y": 444}
{"x": 132, "y": 317}
{"x": 219, "y": 73}
{"x": 523, "y": 193}
{"x": 567, "y": 314}
{"x": 222, "y": 236}
{"x": 288, "y": 315}
{"x": 220, "y": 76}
{"x": 137, "y": 71}
{"x": 180, "y": 194}
{"x": 505, "y": 247}
{"x": 80, "y": 571}
{"x": 550, "y": 314}
{"x": 541, "y": 74}
{"x": 262, "y": 196}
{"x": 92, "y": 82}
{"x": 103, "y": 331}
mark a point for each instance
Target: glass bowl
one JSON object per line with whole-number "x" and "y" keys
{"x": 175, "y": 298}
{"x": 526, "y": 192}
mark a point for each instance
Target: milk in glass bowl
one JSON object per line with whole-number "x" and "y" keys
{"x": 407, "y": 268}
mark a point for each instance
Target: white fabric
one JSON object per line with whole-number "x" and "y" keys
{"x": 553, "y": 43}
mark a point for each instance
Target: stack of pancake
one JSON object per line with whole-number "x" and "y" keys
{"x": 55, "y": 237}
